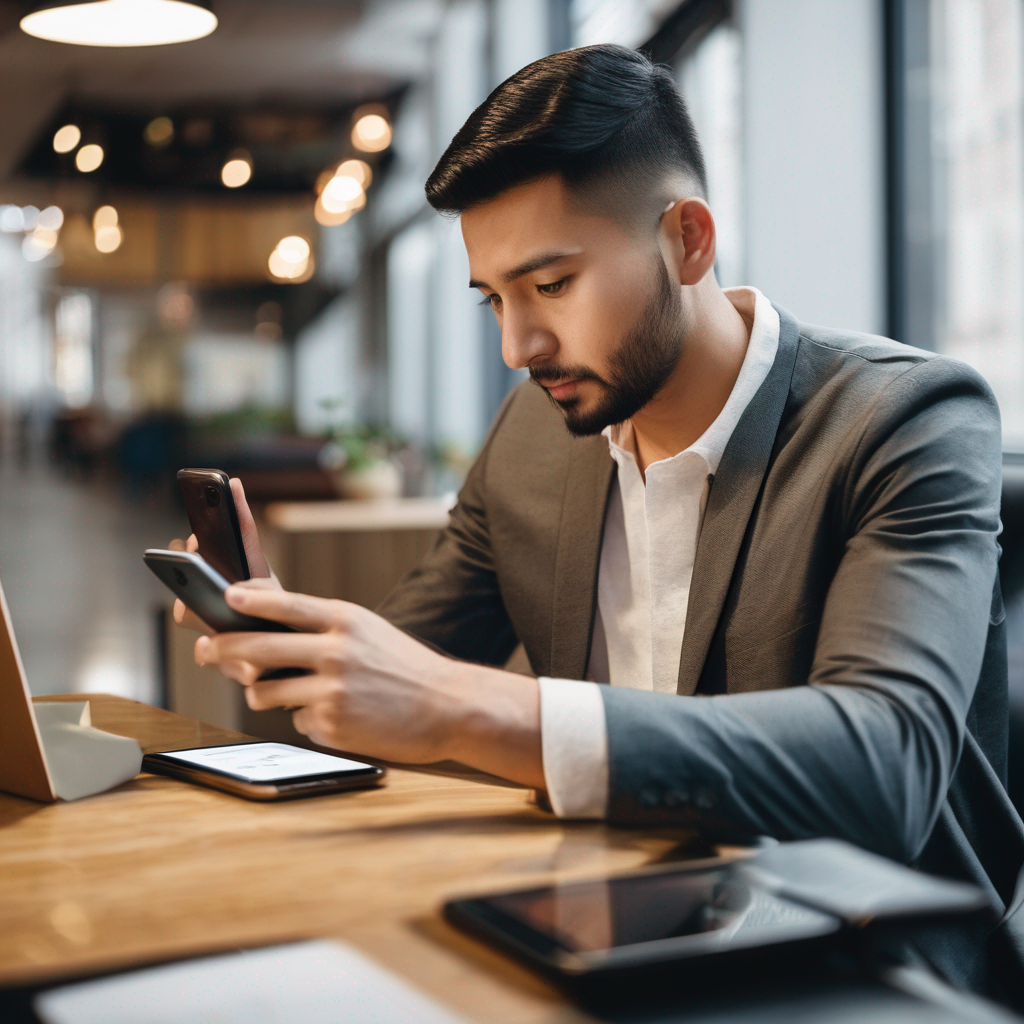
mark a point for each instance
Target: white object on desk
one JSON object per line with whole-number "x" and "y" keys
{"x": 316, "y": 982}
{"x": 81, "y": 760}
{"x": 51, "y": 751}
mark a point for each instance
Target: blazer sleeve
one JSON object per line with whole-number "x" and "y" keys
{"x": 452, "y": 600}
{"x": 867, "y": 750}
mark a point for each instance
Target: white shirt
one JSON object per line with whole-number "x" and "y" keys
{"x": 643, "y": 588}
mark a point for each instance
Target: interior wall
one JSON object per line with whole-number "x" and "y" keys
{"x": 814, "y": 153}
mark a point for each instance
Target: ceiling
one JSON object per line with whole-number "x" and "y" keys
{"x": 316, "y": 57}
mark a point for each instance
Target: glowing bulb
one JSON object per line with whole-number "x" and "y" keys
{"x": 104, "y": 217}
{"x": 88, "y": 158}
{"x": 341, "y": 192}
{"x": 39, "y": 244}
{"x": 51, "y": 219}
{"x": 159, "y": 132}
{"x": 236, "y": 173}
{"x": 358, "y": 169}
{"x": 328, "y": 219}
{"x": 293, "y": 249}
{"x": 282, "y": 268}
{"x": 121, "y": 23}
{"x": 371, "y": 133}
{"x": 67, "y": 138}
{"x": 108, "y": 238}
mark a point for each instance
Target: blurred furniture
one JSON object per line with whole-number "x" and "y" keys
{"x": 352, "y": 550}
{"x": 159, "y": 869}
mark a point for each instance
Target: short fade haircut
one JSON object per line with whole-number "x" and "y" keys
{"x": 598, "y": 116}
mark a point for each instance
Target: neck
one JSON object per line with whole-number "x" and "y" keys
{"x": 700, "y": 385}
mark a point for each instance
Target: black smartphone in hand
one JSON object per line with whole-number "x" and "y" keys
{"x": 211, "y": 514}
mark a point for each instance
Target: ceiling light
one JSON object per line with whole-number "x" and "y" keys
{"x": 159, "y": 132}
{"x": 293, "y": 249}
{"x": 39, "y": 244}
{"x": 326, "y": 218}
{"x": 67, "y": 138}
{"x": 236, "y": 172}
{"x": 371, "y": 133}
{"x": 121, "y": 22}
{"x": 108, "y": 238}
{"x": 51, "y": 219}
{"x": 358, "y": 169}
{"x": 104, "y": 217}
{"x": 341, "y": 192}
{"x": 88, "y": 158}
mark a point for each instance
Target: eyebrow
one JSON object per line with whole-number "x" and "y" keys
{"x": 544, "y": 259}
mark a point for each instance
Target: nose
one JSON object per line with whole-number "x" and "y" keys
{"x": 524, "y": 339}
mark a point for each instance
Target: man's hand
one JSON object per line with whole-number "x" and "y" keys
{"x": 258, "y": 566}
{"x": 374, "y": 690}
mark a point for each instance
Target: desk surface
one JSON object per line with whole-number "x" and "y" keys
{"x": 158, "y": 868}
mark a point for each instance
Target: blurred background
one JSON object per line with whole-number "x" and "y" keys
{"x": 217, "y": 253}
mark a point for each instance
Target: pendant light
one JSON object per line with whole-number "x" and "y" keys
{"x": 121, "y": 22}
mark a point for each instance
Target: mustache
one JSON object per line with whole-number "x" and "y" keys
{"x": 555, "y": 374}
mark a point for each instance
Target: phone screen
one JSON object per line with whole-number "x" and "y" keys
{"x": 718, "y": 905}
{"x": 265, "y": 762}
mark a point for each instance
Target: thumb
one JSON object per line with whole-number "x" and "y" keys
{"x": 250, "y": 536}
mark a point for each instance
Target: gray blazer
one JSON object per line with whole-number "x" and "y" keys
{"x": 844, "y": 630}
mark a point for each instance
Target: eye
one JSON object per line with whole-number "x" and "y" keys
{"x": 493, "y": 300}
{"x": 553, "y": 288}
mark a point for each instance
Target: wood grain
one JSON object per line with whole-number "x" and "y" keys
{"x": 158, "y": 868}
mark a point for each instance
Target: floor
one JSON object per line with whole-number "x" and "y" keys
{"x": 83, "y": 604}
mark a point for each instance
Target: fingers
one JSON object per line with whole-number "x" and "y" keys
{"x": 192, "y": 544}
{"x": 176, "y": 545}
{"x": 267, "y": 650}
{"x": 250, "y": 536}
{"x": 303, "y": 612}
{"x": 289, "y": 693}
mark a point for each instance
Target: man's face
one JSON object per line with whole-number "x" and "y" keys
{"x": 584, "y": 301}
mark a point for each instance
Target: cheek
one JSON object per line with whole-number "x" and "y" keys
{"x": 603, "y": 310}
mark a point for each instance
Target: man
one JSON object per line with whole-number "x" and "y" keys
{"x": 776, "y": 542}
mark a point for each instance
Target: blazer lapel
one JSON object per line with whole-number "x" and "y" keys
{"x": 730, "y": 502}
{"x": 587, "y": 486}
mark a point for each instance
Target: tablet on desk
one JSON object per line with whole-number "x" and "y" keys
{"x": 264, "y": 771}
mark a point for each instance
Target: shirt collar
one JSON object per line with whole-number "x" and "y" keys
{"x": 761, "y": 349}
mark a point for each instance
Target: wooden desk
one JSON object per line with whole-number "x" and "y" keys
{"x": 158, "y": 869}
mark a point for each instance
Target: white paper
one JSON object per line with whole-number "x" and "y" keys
{"x": 317, "y": 982}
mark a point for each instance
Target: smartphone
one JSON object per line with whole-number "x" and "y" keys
{"x": 201, "y": 587}
{"x": 264, "y": 771}
{"x": 211, "y": 514}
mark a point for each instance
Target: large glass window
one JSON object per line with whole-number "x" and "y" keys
{"x": 978, "y": 66}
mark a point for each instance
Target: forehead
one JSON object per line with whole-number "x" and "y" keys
{"x": 539, "y": 216}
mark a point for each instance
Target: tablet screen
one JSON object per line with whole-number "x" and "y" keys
{"x": 264, "y": 762}
{"x": 717, "y": 905}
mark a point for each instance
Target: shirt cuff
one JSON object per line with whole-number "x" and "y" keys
{"x": 574, "y": 745}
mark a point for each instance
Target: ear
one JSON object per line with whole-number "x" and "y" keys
{"x": 688, "y": 235}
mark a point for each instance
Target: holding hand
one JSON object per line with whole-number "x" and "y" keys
{"x": 376, "y": 691}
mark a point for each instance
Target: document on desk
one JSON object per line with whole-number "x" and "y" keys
{"x": 317, "y": 982}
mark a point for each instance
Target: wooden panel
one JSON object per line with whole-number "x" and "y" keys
{"x": 158, "y": 868}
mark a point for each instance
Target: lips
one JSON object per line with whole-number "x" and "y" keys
{"x": 562, "y": 389}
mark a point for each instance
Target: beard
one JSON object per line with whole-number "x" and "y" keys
{"x": 640, "y": 366}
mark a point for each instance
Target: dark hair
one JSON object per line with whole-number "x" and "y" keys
{"x": 592, "y": 114}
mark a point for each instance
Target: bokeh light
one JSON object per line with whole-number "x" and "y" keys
{"x": 371, "y": 133}
{"x": 51, "y": 219}
{"x": 104, "y": 217}
{"x": 236, "y": 172}
{"x": 67, "y": 138}
{"x": 89, "y": 157}
{"x": 109, "y": 238}
{"x": 159, "y": 132}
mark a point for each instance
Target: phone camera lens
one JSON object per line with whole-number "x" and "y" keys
{"x": 180, "y": 577}
{"x": 212, "y": 496}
